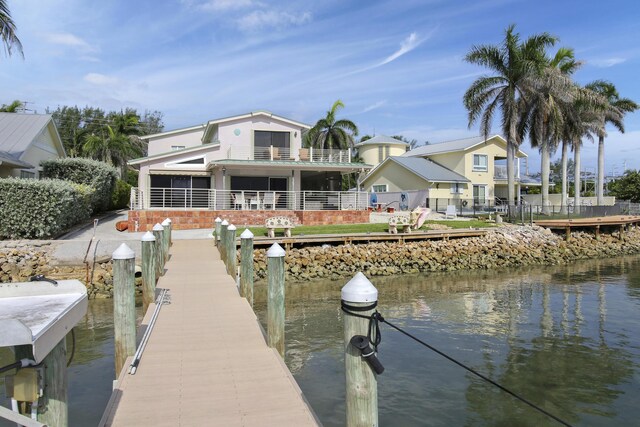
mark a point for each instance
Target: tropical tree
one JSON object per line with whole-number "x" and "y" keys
{"x": 8, "y": 31}
{"x": 613, "y": 112}
{"x": 548, "y": 95}
{"x": 14, "y": 107}
{"x": 329, "y": 132}
{"x": 514, "y": 64}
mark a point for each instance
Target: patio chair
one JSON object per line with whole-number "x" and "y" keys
{"x": 276, "y": 153}
{"x": 238, "y": 200}
{"x": 304, "y": 154}
{"x": 270, "y": 199}
{"x": 451, "y": 212}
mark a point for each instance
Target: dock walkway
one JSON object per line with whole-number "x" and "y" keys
{"x": 206, "y": 362}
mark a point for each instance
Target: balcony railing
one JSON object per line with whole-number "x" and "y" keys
{"x": 282, "y": 153}
{"x": 500, "y": 172}
{"x": 195, "y": 198}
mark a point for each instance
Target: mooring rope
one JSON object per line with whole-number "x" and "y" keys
{"x": 375, "y": 318}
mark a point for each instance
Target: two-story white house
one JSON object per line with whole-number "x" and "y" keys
{"x": 252, "y": 161}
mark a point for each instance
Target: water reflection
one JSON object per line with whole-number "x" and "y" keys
{"x": 564, "y": 337}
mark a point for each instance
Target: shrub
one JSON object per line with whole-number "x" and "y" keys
{"x": 98, "y": 175}
{"x": 41, "y": 209}
{"x": 121, "y": 195}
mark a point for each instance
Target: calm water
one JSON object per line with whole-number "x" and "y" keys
{"x": 567, "y": 338}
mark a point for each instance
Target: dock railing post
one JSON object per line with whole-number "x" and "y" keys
{"x": 216, "y": 224}
{"x": 124, "y": 304}
{"x": 166, "y": 225}
{"x": 275, "y": 298}
{"x": 158, "y": 233}
{"x": 232, "y": 258}
{"x": 148, "y": 247}
{"x": 223, "y": 241}
{"x": 361, "y": 381}
{"x": 246, "y": 266}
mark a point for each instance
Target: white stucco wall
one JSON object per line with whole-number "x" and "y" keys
{"x": 187, "y": 138}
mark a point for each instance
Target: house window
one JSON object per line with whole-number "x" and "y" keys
{"x": 27, "y": 174}
{"x": 177, "y": 147}
{"x": 480, "y": 162}
{"x": 379, "y": 188}
{"x": 479, "y": 194}
{"x": 199, "y": 161}
{"x": 264, "y": 140}
{"x": 456, "y": 188}
{"x": 380, "y": 154}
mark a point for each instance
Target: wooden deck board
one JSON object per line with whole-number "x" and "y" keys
{"x": 206, "y": 362}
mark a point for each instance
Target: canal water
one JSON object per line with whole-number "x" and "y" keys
{"x": 566, "y": 338}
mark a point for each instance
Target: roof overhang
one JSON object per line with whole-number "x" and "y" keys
{"x": 289, "y": 165}
{"x": 6, "y": 160}
{"x": 181, "y": 172}
{"x": 173, "y": 132}
{"x": 170, "y": 154}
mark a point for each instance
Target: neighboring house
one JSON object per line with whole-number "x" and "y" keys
{"x": 375, "y": 150}
{"x": 464, "y": 169}
{"x": 25, "y": 141}
{"x": 249, "y": 161}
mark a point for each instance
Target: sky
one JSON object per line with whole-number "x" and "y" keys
{"x": 397, "y": 65}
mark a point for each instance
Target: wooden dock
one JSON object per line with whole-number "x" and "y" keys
{"x": 206, "y": 362}
{"x": 620, "y": 221}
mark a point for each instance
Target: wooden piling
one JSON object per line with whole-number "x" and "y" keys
{"x": 170, "y": 231}
{"x": 124, "y": 304}
{"x": 361, "y": 381}
{"x": 275, "y": 299}
{"x": 158, "y": 233}
{"x": 148, "y": 270}
{"x": 54, "y": 395}
{"x": 166, "y": 235}
{"x": 223, "y": 240}
{"x": 216, "y": 224}
{"x": 232, "y": 258}
{"x": 246, "y": 266}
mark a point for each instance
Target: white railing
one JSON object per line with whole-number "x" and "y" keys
{"x": 500, "y": 172}
{"x": 196, "y": 198}
{"x": 280, "y": 153}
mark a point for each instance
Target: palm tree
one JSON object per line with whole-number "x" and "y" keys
{"x": 14, "y": 107}
{"x": 331, "y": 133}
{"x": 111, "y": 147}
{"x": 8, "y": 31}
{"x": 613, "y": 113}
{"x": 543, "y": 116}
{"x": 514, "y": 63}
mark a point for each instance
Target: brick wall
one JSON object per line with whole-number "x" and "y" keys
{"x": 186, "y": 220}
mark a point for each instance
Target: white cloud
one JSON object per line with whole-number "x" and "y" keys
{"x": 68, "y": 39}
{"x": 373, "y": 106}
{"x": 607, "y": 62}
{"x": 100, "y": 79}
{"x": 260, "y": 19}
{"x": 406, "y": 46}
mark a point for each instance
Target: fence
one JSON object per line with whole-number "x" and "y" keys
{"x": 527, "y": 213}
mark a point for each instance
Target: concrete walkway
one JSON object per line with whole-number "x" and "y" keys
{"x": 206, "y": 362}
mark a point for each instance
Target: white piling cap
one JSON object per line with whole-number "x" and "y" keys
{"x": 246, "y": 234}
{"x": 217, "y": 220}
{"x": 123, "y": 252}
{"x": 166, "y": 222}
{"x": 231, "y": 227}
{"x": 148, "y": 237}
{"x": 158, "y": 227}
{"x": 275, "y": 251}
{"x": 359, "y": 289}
{"x": 224, "y": 222}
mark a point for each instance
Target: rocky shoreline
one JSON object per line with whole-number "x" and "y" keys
{"x": 506, "y": 246}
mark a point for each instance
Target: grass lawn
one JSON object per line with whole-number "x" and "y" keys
{"x": 363, "y": 228}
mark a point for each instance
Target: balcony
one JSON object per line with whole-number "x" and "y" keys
{"x": 272, "y": 153}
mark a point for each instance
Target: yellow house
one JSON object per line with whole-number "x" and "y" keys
{"x": 25, "y": 141}
{"x": 460, "y": 171}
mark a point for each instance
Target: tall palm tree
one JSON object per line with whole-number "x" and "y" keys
{"x": 8, "y": 31}
{"x": 513, "y": 63}
{"x": 14, "y": 107}
{"x": 548, "y": 95}
{"x": 111, "y": 147}
{"x": 613, "y": 113}
{"x": 331, "y": 133}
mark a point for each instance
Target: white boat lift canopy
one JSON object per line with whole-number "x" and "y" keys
{"x": 40, "y": 314}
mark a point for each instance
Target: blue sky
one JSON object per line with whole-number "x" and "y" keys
{"x": 397, "y": 65}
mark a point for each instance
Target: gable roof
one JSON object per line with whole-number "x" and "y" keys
{"x": 455, "y": 145}
{"x": 426, "y": 169}
{"x": 381, "y": 139}
{"x": 18, "y": 131}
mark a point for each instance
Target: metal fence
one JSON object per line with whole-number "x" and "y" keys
{"x": 528, "y": 213}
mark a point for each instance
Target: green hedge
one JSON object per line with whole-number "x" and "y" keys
{"x": 121, "y": 195}
{"x": 98, "y": 175}
{"x": 40, "y": 209}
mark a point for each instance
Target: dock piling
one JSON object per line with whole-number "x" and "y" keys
{"x": 166, "y": 225}
{"x": 216, "y": 230}
{"x": 361, "y": 381}
{"x": 232, "y": 258}
{"x": 148, "y": 255}
{"x": 124, "y": 304}
{"x": 275, "y": 299}
{"x": 246, "y": 266}
{"x": 158, "y": 233}
{"x": 223, "y": 241}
